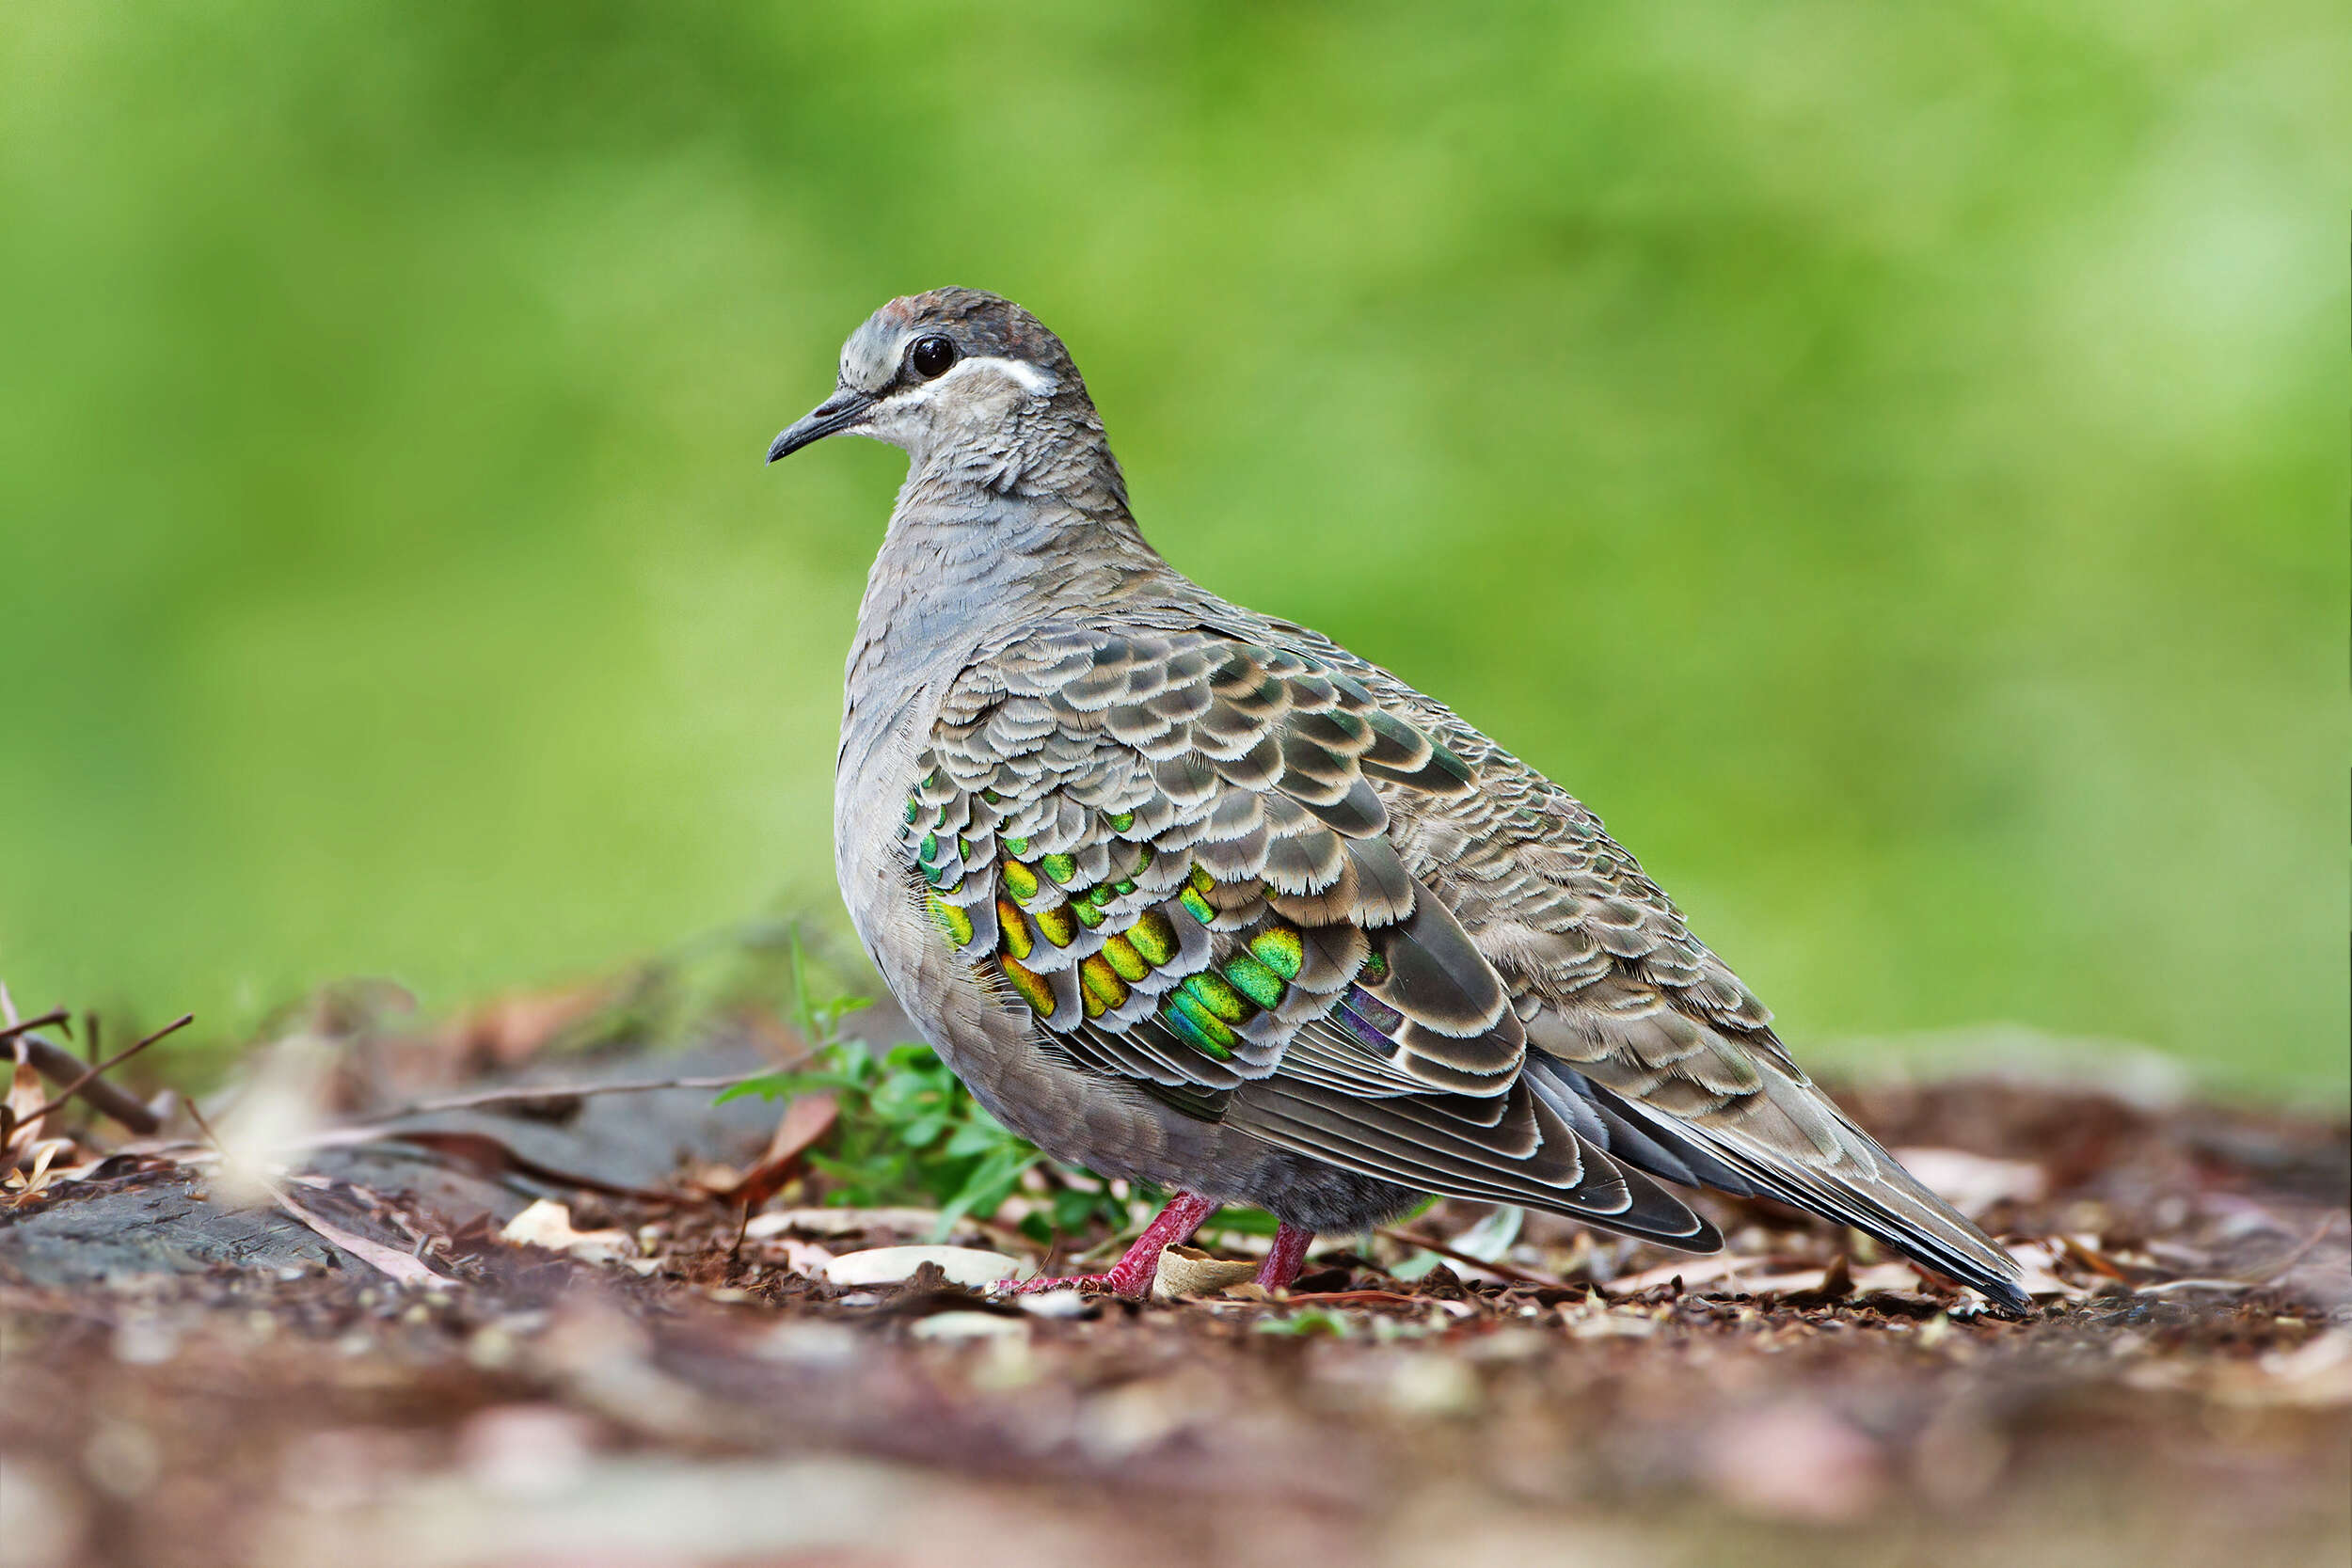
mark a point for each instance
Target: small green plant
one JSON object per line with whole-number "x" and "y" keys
{"x": 1309, "y": 1321}
{"x": 908, "y": 1132}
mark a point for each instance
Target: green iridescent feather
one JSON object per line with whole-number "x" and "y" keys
{"x": 1056, "y": 925}
{"x": 1032, "y": 986}
{"x": 1012, "y": 930}
{"x": 1101, "y": 981}
{"x": 955, "y": 923}
{"x": 1154, "y": 938}
{"x": 1122, "y": 956}
{"x": 1224, "y": 1003}
{"x": 1254, "y": 980}
{"x": 1192, "y": 1022}
{"x": 1281, "y": 949}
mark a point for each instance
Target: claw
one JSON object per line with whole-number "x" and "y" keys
{"x": 1040, "y": 1285}
{"x": 1132, "y": 1276}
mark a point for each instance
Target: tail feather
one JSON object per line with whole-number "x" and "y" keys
{"x": 1866, "y": 1188}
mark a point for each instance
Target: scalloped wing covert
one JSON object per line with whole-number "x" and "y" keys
{"x": 1177, "y": 851}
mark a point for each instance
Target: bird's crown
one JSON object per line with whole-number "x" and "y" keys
{"x": 920, "y": 337}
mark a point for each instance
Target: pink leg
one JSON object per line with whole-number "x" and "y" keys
{"x": 1286, "y": 1257}
{"x": 1131, "y": 1276}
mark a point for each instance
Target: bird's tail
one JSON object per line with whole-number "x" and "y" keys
{"x": 1791, "y": 1143}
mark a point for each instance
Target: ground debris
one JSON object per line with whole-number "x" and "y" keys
{"x": 646, "y": 1373}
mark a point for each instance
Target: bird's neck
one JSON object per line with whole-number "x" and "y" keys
{"x": 980, "y": 546}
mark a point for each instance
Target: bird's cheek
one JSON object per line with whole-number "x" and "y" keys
{"x": 894, "y": 422}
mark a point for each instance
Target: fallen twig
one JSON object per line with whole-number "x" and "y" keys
{"x": 525, "y": 1093}
{"x": 60, "y": 1065}
{"x": 91, "y": 1074}
{"x": 55, "y": 1015}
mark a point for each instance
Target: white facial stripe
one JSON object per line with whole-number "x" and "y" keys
{"x": 1038, "y": 382}
{"x": 1029, "y": 378}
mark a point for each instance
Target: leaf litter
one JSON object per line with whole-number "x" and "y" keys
{"x": 544, "y": 1324}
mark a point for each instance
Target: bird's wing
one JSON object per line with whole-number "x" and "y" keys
{"x": 1629, "y": 1018}
{"x": 1178, "y": 850}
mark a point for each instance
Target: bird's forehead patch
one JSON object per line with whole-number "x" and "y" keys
{"x": 870, "y": 358}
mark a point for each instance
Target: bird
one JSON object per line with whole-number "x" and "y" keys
{"x": 1194, "y": 897}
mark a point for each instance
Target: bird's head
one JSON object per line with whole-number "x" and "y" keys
{"x": 950, "y": 367}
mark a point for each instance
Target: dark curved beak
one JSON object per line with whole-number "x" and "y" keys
{"x": 846, "y": 407}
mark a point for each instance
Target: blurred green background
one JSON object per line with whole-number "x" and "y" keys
{"x": 1889, "y": 460}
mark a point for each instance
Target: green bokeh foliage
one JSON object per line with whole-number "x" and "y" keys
{"x": 1889, "y": 460}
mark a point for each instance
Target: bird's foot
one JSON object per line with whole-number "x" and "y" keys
{"x": 1132, "y": 1276}
{"x": 1056, "y": 1282}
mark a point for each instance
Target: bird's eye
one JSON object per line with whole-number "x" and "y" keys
{"x": 930, "y": 357}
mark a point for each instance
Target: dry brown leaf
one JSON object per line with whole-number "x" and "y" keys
{"x": 1593, "y": 1320}
{"x": 2085, "y": 1252}
{"x": 41, "y": 1170}
{"x": 390, "y": 1261}
{"x": 1189, "y": 1272}
{"x": 26, "y": 1097}
{"x": 807, "y": 1119}
{"x": 547, "y": 1224}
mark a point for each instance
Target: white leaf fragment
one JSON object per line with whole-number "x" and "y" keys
{"x": 971, "y": 1267}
